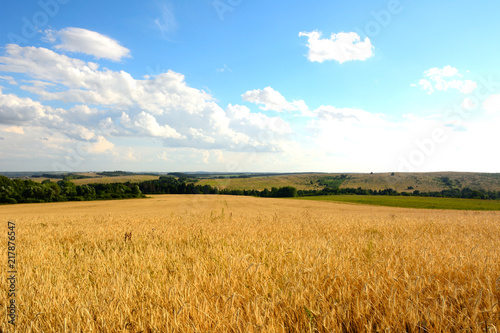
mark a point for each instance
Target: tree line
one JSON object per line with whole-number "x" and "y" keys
{"x": 27, "y": 191}
{"x": 465, "y": 193}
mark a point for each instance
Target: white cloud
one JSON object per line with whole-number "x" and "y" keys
{"x": 148, "y": 123}
{"x": 9, "y": 79}
{"x": 468, "y": 104}
{"x": 84, "y": 110}
{"x": 206, "y": 156}
{"x": 167, "y": 120}
{"x": 342, "y": 47}
{"x": 15, "y": 129}
{"x": 89, "y": 42}
{"x": 269, "y": 99}
{"x": 163, "y": 156}
{"x": 492, "y": 105}
{"x": 219, "y": 155}
{"x": 162, "y": 106}
{"x": 446, "y": 71}
{"x": 444, "y": 79}
{"x": 331, "y": 113}
{"x": 100, "y": 146}
{"x": 83, "y": 133}
{"x": 131, "y": 155}
{"x": 468, "y": 87}
{"x": 18, "y": 110}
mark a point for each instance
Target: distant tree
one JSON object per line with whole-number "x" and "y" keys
{"x": 136, "y": 191}
{"x": 53, "y": 186}
{"x": 68, "y": 189}
{"x": 85, "y": 191}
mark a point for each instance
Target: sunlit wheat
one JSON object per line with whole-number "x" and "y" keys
{"x": 242, "y": 264}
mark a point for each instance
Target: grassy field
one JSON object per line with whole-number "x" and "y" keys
{"x": 424, "y": 182}
{"x": 96, "y": 179}
{"x": 243, "y": 264}
{"x": 118, "y": 179}
{"x": 41, "y": 179}
{"x": 400, "y": 182}
{"x": 301, "y": 182}
{"x": 412, "y": 202}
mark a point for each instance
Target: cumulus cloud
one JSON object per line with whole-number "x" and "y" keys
{"x": 341, "y": 47}
{"x": 468, "y": 87}
{"x": 100, "y": 146}
{"x": 444, "y": 79}
{"x": 161, "y": 106}
{"x": 25, "y": 113}
{"x": 78, "y": 40}
{"x": 147, "y": 123}
{"x": 331, "y": 113}
{"x": 171, "y": 121}
{"x": 18, "y": 110}
{"x": 269, "y": 99}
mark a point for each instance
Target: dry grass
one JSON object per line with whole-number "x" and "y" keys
{"x": 424, "y": 182}
{"x": 118, "y": 179}
{"x": 301, "y": 182}
{"x": 41, "y": 179}
{"x": 241, "y": 264}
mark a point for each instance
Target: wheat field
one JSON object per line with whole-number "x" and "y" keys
{"x": 239, "y": 264}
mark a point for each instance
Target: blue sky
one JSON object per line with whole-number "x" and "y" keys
{"x": 249, "y": 86}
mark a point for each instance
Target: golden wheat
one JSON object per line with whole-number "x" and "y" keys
{"x": 240, "y": 264}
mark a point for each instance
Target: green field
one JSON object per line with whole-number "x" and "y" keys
{"x": 412, "y": 202}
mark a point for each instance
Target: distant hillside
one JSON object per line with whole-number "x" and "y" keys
{"x": 424, "y": 182}
{"x": 301, "y": 182}
{"x": 115, "y": 179}
{"x": 401, "y": 182}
